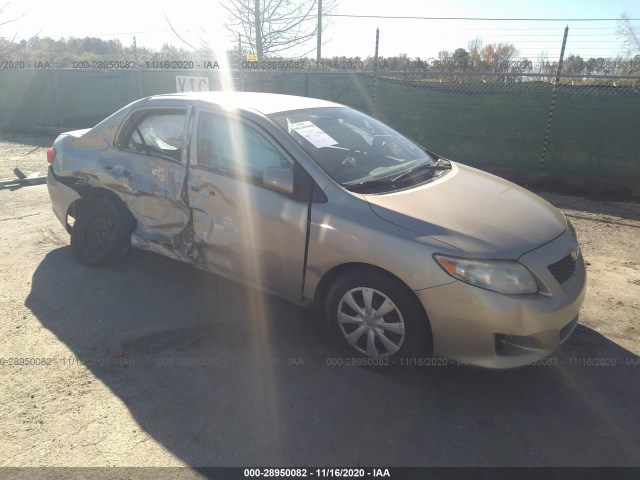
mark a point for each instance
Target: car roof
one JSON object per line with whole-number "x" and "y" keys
{"x": 264, "y": 103}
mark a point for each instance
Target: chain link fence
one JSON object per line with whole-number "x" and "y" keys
{"x": 506, "y": 120}
{"x": 591, "y": 127}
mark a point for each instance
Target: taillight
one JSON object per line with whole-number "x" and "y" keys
{"x": 51, "y": 154}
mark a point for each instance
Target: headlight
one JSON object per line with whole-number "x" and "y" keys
{"x": 502, "y": 276}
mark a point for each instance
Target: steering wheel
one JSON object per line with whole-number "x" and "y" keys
{"x": 379, "y": 143}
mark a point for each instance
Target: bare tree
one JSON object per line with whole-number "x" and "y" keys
{"x": 493, "y": 57}
{"x": 7, "y": 46}
{"x": 2, "y": 9}
{"x": 475, "y": 46}
{"x": 542, "y": 60}
{"x": 271, "y": 27}
{"x": 630, "y": 34}
{"x": 497, "y": 57}
{"x": 178, "y": 35}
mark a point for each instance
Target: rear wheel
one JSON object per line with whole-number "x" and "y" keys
{"x": 372, "y": 315}
{"x": 102, "y": 231}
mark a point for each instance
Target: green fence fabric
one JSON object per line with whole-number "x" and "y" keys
{"x": 483, "y": 121}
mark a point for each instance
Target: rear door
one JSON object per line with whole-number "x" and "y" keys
{"x": 242, "y": 229}
{"x": 149, "y": 170}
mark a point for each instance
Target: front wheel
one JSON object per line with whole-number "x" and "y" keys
{"x": 102, "y": 231}
{"x": 373, "y": 315}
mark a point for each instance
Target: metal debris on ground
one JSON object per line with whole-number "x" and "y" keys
{"x": 22, "y": 180}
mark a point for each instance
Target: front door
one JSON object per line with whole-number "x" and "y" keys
{"x": 242, "y": 229}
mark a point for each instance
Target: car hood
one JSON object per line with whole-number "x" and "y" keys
{"x": 474, "y": 211}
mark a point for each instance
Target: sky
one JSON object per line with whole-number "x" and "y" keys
{"x": 122, "y": 19}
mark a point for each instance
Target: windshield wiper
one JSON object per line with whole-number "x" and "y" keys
{"x": 419, "y": 168}
{"x": 387, "y": 181}
{"x": 354, "y": 187}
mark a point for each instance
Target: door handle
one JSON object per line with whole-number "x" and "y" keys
{"x": 207, "y": 191}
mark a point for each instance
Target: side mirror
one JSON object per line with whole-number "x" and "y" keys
{"x": 278, "y": 179}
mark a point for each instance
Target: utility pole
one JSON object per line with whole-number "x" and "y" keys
{"x": 374, "y": 100}
{"x": 258, "y": 27}
{"x": 319, "y": 47}
{"x": 240, "y": 62}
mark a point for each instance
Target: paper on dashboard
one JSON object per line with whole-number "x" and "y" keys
{"x": 313, "y": 134}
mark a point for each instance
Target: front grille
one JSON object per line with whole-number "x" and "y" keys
{"x": 563, "y": 269}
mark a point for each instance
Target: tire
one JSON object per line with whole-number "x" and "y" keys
{"x": 401, "y": 332}
{"x": 102, "y": 232}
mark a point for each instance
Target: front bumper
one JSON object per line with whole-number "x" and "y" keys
{"x": 61, "y": 197}
{"x": 488, "y": 329}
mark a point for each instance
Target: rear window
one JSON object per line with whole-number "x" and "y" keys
{"x": 156, "y": 134}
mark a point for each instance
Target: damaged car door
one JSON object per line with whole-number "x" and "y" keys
{"x": 244, "y": 228}
{"x": 150, "y": 160}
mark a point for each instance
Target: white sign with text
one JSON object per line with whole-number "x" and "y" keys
{"x": 191, "y": 84}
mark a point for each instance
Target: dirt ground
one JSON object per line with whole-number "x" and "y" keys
{"x": 151, "y": 363}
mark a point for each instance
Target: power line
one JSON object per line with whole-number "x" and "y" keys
{"x": 131, "y": 33}
{"x": 574, "y": 41}
{"x": 508, "y": 29}
{"x": 536, "y": 35}
{"x": 482, "y": 19}
{"x": 537, "y": 28}
{"x": 81, "y": 35}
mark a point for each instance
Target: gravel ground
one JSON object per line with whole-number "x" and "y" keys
{"x": 123, "y": 381}
{"x": 27, "y": 152}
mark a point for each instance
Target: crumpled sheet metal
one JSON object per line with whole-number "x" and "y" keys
{"x": 153, "y": 191}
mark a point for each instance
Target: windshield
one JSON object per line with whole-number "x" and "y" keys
{"x": 351, "y": 147}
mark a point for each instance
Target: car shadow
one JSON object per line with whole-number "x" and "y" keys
{"x": 220, "y": 374}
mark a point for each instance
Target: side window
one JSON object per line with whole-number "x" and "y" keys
{"x": 234, "y": 147}
{"x": 157, "y": 135}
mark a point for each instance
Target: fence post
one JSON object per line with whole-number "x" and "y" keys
{"x": 554, "y": 93}
{"x": 139, "y": 81}
{"x": 138, "y": 73}
{"x": 56, "y": 96}
{"x": 375, "y": 76}
{"x": 306, "y": 84}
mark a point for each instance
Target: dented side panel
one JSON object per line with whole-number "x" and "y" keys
{"x": 153, "y": 188}
{"x": 236, "y": 229}
{"x": 243, "y": 230}
{"x": 249, "y": 233}
{"x": 62, "y": 197}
